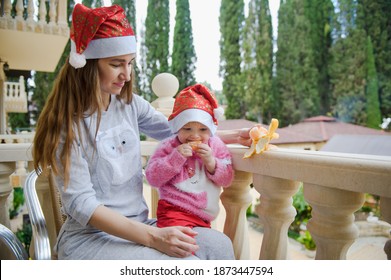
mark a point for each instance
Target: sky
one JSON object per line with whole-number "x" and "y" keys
{"x": 206, "y": 34}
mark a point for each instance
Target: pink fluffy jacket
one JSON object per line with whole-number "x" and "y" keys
{"x": 184, "y": 182}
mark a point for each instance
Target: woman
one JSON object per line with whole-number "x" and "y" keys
{"x": 88, "y": 135}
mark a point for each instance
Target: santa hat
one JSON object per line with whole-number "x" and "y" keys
{"x": 99, "y": 33}
{"x": 195, "y": 104}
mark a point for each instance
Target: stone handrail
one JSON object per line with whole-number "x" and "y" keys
{"x": 35, "y": 20}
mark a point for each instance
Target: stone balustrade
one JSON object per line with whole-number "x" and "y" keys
{"x": 36, "y": 16}
{"x": 334, "y": 186}
{"x": 15, "y": 97}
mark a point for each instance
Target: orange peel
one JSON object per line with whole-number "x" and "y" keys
{"x": 261, "y": 137}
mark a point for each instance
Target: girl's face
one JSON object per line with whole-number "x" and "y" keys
{"x": 114, "y": 72}
{"x": 194, "y": 131}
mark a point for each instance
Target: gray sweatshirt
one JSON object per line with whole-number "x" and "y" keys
{"x": 111, "y": 175}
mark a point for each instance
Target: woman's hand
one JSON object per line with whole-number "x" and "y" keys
{"x": 175, "y": 241}
{"x": 236, "y": 136}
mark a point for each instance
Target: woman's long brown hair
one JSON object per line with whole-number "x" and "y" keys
{"x": 75, "y": 95}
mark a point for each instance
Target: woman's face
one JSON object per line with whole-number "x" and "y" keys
{"x": 114, "y": 72}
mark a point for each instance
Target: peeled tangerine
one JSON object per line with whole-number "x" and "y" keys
{"x": 194, "y": 144}
{"x": 260, "y": 138}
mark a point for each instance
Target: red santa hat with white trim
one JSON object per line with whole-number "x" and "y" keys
{"x": 99, "y": 33}
{"x": 195, "y": 104}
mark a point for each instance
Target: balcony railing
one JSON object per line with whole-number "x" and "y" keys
{"x": 31, "y": 16}
{"x": 334, "y": 185}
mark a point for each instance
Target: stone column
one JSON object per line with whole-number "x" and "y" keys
{"x": 332, "y": 224}
{"x": 236, "y": 199}
{"x": 165, "y": 86}
{"x": 6, "y": 169}
{"x": 276, "y": 212}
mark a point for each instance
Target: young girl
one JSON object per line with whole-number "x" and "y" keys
{"x": 190, "y": 168}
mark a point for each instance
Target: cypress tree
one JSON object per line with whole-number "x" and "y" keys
{"x": 92, "y": 3}
{"x": 348, "y": 66}
{"x": 157, "y": 30}
{"x": 372, "y": 90}
{"x": 319, "y": 13}
{"x": 145, "y": 90}
{"x": 183, "y": 54}
{"x": 375, "y": 19}
{"x": 258, "y": 57}
{"x": 231, "y": 24}
{"x": 296, "y": 72}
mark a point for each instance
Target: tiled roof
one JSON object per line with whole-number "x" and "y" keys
{"x": 360, "y": 144}
{"x": 322, "y": 128}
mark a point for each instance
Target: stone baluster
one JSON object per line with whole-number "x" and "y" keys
{"x": 22, "y": 88}
{"x": 332, "y": 224}
{"x": 62, "y": 16}
{"x": 236, "y": 199}
{"x": 52, "y": 12}
{"x": 276, "y": 213}
{"x": 19, "y": 9}
{"x": 19, "y": 15}
{"x": 42, "y": 13}
{"x": 385, "y": 212}
{"x": 3, "y": 91}
{"x": 6, "y": 169}
{"x": 30, "y": 16}
{"x": 7, "y": 9}
{"x": 6, "y": 21}
{"x": 164, "y": 86}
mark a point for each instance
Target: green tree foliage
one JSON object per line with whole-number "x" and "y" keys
{"x": 296, "y": 72}
{"x": 92, "y": 3}
{"x": 18, "y": 120}
{"x": 372, "y": 90}
{"x": 145, "y": 89}
{"x": 257, "y": 60}
{"x": 43, "y": 86}
{"x": 231, "y": 24}
{"x": 157, "y": 29}
{"x": 375, "y": 18}
{"x": 319, "y": 13}
{"x": 348, "y": 66}
{"x": 183, "y": 54}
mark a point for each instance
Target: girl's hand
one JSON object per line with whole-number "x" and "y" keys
{"x": 205, "y": 153}
{"x": 176, "y": 241}
{"x": 185, "y": 150}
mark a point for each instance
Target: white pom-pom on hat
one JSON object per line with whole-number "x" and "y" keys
{"x": 218, "y": 113}
{"x": 77, "y": 60}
